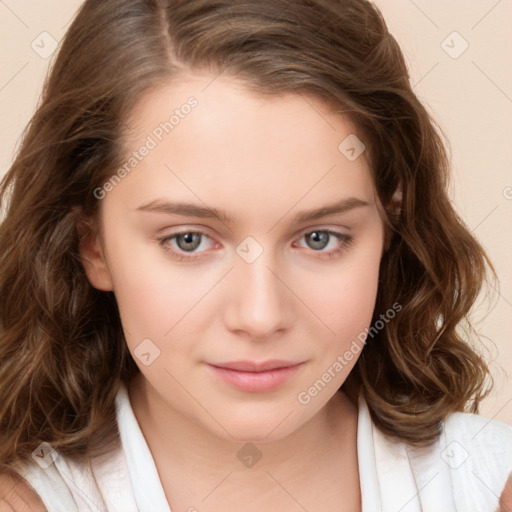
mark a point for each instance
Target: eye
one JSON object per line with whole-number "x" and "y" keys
{"x": 319, "y": 239}
{"x": 185, "y": 245}
{"x": 182, "y": 243}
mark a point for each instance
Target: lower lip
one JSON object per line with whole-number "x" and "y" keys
{"x": 256, "y": 382}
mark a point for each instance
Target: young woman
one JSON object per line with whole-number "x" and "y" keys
{"x": 231, "y": 277}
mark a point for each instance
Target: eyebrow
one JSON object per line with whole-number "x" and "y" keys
{"x": 195, "y": 210}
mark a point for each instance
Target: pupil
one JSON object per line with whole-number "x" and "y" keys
{"x": 318, "y": 239}
{"x": 190, "y": 239}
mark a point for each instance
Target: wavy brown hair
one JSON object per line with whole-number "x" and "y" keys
{"x": 62, "y": 349}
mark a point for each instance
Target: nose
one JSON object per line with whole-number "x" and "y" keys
{"x": 259, "y": 301}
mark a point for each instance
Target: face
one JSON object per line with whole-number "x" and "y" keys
{"x": 243, "y": 248}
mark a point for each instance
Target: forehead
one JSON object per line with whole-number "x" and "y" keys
{"x": 227, "y": 99}
{"x": 242, "y": 147}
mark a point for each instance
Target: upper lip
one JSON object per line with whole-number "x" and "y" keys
{"x": 255, "y": 366}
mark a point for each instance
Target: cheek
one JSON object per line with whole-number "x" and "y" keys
{"x": 152, "y": 293}
{"x": 345, "y": 301}
{"x": 158, "y": 298}
{"x": 347, "y": 311}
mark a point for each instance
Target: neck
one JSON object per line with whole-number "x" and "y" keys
{"x": 180, "y": 446}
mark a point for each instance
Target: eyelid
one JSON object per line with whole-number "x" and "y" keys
{"x": 203, "y": 230}
{"x": 330, "y": 228}
{"x": 345, "y": 240}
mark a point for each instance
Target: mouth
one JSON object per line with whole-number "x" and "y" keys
{"x": 255, "y": 377}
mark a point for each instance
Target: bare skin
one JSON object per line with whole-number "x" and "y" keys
{"x": 16, "y": 495}
{"x": 322, "y": 475}
{"x": 265, "y": 163}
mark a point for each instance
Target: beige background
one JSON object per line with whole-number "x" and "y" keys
{"x": 468, "y": 90}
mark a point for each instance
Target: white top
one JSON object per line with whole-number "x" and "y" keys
{"x": 464, "y": 471}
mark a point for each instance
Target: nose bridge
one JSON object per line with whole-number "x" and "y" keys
{"x": 259, "y": 302}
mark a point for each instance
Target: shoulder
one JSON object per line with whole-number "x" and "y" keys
{"x": 481, "y": 442}
{"x": 16, "y": 495}
{"x": 49, "y": 481}
{"x": 68, "y": 484}
{"x": 479, "y": 434}
{"x": 472, "y": 422}
{"x": 478, "y": 452}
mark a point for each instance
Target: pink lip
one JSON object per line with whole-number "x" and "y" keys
{"x": 256, "y": 377}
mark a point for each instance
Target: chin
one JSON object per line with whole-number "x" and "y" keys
{"x": 256, "y": 426}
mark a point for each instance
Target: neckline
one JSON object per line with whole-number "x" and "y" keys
{"x": 148, "y": 489}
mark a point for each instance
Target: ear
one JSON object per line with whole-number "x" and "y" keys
{"x": 394, "y": 209}
{"x": 396, "y": 200}
{"x": 92, "y": 256}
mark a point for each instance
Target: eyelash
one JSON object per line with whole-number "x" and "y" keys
{"x": 345, "y": 242}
